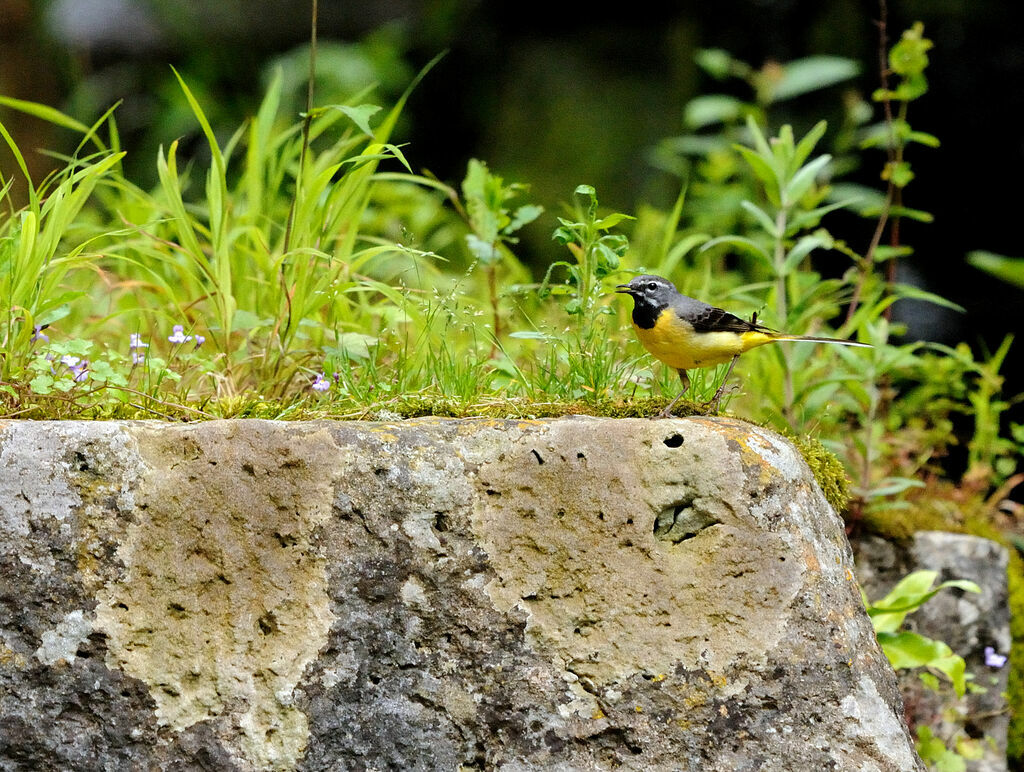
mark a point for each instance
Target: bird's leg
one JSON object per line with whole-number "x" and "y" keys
{"x": 713, "y": 403}
{"x": 667, "y": 412}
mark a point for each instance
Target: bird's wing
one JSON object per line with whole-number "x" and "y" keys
{"x": 705, "y": 318}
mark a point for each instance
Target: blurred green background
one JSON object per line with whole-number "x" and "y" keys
{"x": 559, "y": 94}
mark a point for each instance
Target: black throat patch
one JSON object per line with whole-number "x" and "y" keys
{"x": 645, "y": 313}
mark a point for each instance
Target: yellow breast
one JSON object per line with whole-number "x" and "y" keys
{"x": 674, "y": 341}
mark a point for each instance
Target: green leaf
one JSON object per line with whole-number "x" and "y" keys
{"x": 44, "y": 112}
{"x": 59, "y": 312}
{"x": 757, "y": 136}
{"x": 935, "y": 753}
{"x": 804, "y": 247}
{"x": 898, "y": 172}
{"x": 762, "y": 217}
{"x": 910, "y": 593}
{"x": 42, "y": 384}
{"x": 586, "y": 200}
{"x": 922, "y": 138}
{"x": 808, "y": 143}
{"x": 906, "y": 650}
{"x": 913, "y": 214}
{"x": 485, "y": 252}
{"x": 890, "y": 486}
{"x": 717, "y": 62}
{"x": 911, "y": 292}
{"x": 1008, "y": 269}
{"x": 524, "y": 215}
{"x": 884, "y": 252}
{"x": 360, "y": 115}
{"x": 396, "y": 153}
{"x": 703, "y": 111}
{"x": 764, "y": 171}
{"x": 609, "y": 222}
{"x": 813, "y": 73}
{"x": 910, "y": 55}
{"x": 352, "y": 346}
{"x": 802, "y": 181}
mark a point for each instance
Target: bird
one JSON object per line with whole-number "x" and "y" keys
{"x": 686, "y": 333}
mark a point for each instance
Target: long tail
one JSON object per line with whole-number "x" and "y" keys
{"x": 813, "y": 339}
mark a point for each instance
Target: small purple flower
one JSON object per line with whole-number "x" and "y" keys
{"x": 79, "y": 370}
{"x": 992, "y": 659}
{"x": 135, "y": 341}
{"x": 70, "y": 360}
{"x": 178, "y": 335}
{"x": 320, "y": 383}
{"x": 39, "y": 335}
{"x": 200, "y": 340}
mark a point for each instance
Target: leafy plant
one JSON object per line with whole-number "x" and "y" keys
{"x": 493, "y": 225}
{"x": 907, "y": 650}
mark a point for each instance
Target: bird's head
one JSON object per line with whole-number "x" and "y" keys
{"x": 648, "y": 290}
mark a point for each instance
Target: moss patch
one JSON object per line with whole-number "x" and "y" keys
{"x": 827, "y": 468}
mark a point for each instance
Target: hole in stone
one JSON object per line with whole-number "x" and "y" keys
{"x": 673, "y": 440}
{"x": 580, "y": 455}
{"x": 682, "y": 521}
{"x": 249, "y": 469}
{"x": 537, "y": 456}
{"x": 286, "y": 539}
{"x": 268, "y": 623}
{"x": 440, "y": 522}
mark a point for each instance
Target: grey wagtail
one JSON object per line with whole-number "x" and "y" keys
{"x": 685, "y": 333}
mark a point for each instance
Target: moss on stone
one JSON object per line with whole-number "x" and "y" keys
{"x": 827, "y": 468}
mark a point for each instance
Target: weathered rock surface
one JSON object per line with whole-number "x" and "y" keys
{"x": 968, "y": 622}
{"x": 575, "y": 594}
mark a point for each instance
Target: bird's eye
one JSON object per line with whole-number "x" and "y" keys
{"x": 652, "y": 286}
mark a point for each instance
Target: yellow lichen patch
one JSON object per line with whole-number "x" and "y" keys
{"x": 9, "y": 656}
{"x": 222, "y": 601}
{"x": 598, "y": 587}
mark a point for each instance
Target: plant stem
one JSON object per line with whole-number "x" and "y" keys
{"x": 306, "y": 120}
{"x": 492, "y": 286}
{"x": 782, "y": 311}
{"x": 892, "y": 193}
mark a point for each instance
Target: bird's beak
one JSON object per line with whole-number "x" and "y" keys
{"x": 624, "y": 288}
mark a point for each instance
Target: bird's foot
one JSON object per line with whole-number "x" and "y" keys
{"x": 712, "y": 404}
